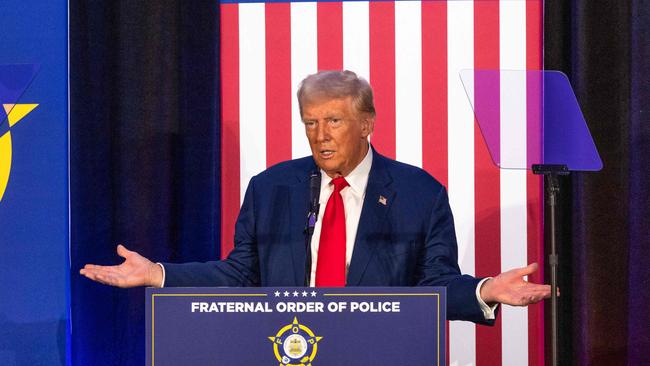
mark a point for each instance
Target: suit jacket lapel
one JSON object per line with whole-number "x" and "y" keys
{"x": 377, "y": 203}
{"x": 299, "y": 206}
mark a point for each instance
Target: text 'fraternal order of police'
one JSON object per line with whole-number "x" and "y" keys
{"x": 296, "y": 307}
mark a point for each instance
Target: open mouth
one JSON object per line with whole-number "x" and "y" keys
{"x": 326, "y": 154}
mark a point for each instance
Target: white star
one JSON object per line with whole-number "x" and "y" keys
{"x": 304, "y": 294}
{"x": 313, "y": 294}
{"x": 277, "y": 294}
{"x": 286, "y": 294}
{"x": 295, "y": 294}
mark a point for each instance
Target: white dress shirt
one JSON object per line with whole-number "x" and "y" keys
{"x": 353, "y": 196}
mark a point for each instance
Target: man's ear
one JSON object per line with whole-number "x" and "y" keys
{"x": 367, "y": 125}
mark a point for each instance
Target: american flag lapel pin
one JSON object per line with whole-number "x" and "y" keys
{"x": 383, "y": 200}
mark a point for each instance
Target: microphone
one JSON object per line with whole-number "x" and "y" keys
{"x": 312, "y": 216}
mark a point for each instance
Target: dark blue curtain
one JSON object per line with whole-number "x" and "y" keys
{"x": 639, "y": 212}
{"x": 604, "y": 277}
{"x": 144, "y": 155}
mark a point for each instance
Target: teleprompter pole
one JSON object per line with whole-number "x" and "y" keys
{"x": 551, "y": 173}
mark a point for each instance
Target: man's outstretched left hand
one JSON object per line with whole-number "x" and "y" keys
{"x": 512, "y": 289}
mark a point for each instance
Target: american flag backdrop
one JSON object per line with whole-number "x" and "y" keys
{"x": 411, "y": 52}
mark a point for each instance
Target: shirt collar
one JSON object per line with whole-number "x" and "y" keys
{"x": 357, "y": 179}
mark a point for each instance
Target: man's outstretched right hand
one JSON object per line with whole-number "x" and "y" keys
{"x": 136, "y": 270}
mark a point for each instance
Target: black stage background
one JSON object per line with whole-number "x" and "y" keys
{"x": 603, "y": 46}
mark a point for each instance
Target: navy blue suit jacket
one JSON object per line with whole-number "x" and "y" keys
{"x": 408, "y": 241}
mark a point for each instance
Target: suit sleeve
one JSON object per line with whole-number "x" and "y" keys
{"x": 438, "y": 265}
{"x": 241, "y": 268}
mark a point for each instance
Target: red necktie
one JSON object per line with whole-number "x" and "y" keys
{"x": 330, "y": 269}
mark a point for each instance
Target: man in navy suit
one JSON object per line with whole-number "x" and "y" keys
{"x": 380, "y": 222}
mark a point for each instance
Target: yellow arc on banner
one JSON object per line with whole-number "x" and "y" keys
{"x": 14, "y": 112}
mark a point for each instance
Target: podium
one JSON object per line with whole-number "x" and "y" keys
{"x": 291, "y": 326}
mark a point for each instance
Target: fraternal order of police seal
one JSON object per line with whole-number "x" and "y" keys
{"x": 295, "y": 345}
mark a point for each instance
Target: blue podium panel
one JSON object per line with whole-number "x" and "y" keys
{"x": 296, "y": 326}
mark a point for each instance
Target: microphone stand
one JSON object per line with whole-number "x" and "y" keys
{"x": 312, "y": 216}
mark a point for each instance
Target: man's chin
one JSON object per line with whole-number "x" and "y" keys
{"x": 330, "y": 166}
{"x": 330, "y": 170}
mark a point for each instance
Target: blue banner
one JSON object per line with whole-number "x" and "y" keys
{"x": 34, "y": 260}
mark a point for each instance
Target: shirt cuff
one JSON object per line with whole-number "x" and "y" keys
{"x": 488, "y": 311}
{"x": 162, "y": 284}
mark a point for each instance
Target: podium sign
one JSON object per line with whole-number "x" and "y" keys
{"x": 296, "y": 326}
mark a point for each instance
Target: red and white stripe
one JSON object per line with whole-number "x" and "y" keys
{"x": 412, "y": 53}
